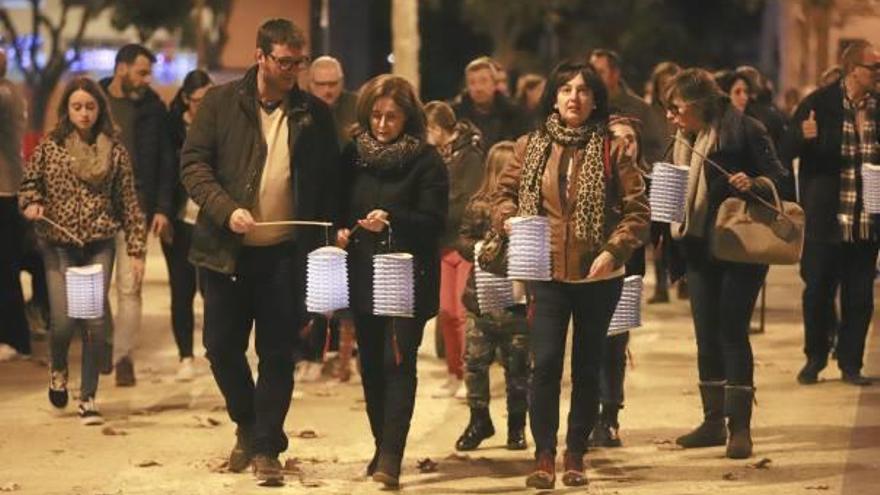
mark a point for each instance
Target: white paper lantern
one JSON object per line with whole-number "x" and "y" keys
{"x": 628, "y": 313}
{"x": 493, "y": 292}
{"x": 871, "y": 188}
{"x": 85, "y": 291}
{"x": 668, "y": 192}
{"x": 327, "y": 280}
{"x": 528, "y": 255}
{"x": 393, "y": 285}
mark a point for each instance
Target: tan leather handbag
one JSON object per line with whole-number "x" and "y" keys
{"x": 752, "y": 230}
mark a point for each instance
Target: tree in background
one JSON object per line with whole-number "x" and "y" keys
{"x": 42, "y": 73}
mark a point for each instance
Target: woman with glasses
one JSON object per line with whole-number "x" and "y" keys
{"x": 579, "y": 170}
{"x": 722, "y": 293}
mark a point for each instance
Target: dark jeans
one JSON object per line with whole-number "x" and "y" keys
{"x": 61, "y": 327}
{"x": 613, "y": 372}
{"x": 182, "y": 276}
{"x": 263, "y": 292}
{"x": 824, "y": 267}
{"x": 722, "y": 298}
{"x": 14, "y": 330}
{"x": 389, "y": 386}
{"x": 591, "y": 305}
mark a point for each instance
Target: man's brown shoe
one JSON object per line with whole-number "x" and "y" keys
{"x": 544, "y": 475}
{"x": 241, "y": 456}
{"x": 267, "y": 469}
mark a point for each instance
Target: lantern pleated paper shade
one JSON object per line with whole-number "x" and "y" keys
{"x": 327, "y": 280}
{"x": 668, "y": 192}
{"x": 393, "y": 285}
{"x": 493, "y": 292}
{"x": 529, "y": 250}
{"x": 85, "y": 291}
{"x": 871, "y": 187}
{"x": 628, "y": 313}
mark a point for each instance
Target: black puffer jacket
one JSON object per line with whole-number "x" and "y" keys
{"x": 415, "y": 195}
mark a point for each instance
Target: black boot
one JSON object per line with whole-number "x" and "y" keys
{"x": 738, "y": 409}
{"x": 388, "y": 470}
{"x": 809, "y": 374}
{"x": 479, "y": 429}
{"x": 606, "y": 433}
{"x": 516, "y": 432}
{"x": 711, "y": 431}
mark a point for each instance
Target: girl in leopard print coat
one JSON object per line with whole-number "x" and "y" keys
{"x": 79, "y": 185}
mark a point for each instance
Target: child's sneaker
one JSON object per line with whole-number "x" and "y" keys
{"x": 88, "y": 413}
{"x": 58, "y": 388}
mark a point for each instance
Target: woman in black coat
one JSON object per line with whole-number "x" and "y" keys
{"x": 393, "y": 180}
{"x": 722, "y": 293}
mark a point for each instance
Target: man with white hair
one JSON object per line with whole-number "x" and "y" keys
{"x": 326, "y": 81}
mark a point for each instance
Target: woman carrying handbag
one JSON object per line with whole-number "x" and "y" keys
{"x": 713, "y": 135}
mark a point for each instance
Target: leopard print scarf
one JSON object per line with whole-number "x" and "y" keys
{"x": 589, "y": 210}
{"x": 388, "y": 156}
{"x": 91, "y": 163}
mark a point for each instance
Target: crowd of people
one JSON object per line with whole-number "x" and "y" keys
{"x": 216, "y": 175}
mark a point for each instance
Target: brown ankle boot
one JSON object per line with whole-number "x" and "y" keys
{"x": 544, "y": 475}
{"x": 574, "y": 470}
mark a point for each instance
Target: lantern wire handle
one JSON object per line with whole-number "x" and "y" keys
{"x": 66, "y": 232}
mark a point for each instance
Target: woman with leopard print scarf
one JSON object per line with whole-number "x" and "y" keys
{"x": 79, "y": 180}
{"x": 579, "y": 170}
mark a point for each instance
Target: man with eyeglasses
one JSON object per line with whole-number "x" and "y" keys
{"x": 834, "y": 132}
{"x": 260, "y": 150}
{"x": 327, "y": 82}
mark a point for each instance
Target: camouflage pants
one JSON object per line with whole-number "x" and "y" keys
{"x": 507, "y": 335}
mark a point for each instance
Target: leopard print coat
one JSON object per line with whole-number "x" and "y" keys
{"x": 92, "y": 213}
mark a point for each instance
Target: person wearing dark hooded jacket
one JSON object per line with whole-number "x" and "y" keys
{"x": 459, "y": 145}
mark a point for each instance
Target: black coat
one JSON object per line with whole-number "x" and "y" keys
{"x": 820, "y": 161}
{"x": 744, "y": 145}
{"x": 416, "y": 196}
{"x": 223, "y": 158}
{"x": 153, "y": 157}
{"x": 506, "y": 121}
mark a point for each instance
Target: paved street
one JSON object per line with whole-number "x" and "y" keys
{"x": 164, "y": 437}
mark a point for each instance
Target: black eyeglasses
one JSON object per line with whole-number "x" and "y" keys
{"x": 287, "y": 63}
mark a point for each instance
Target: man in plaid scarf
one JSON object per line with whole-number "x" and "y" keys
{"x": 834, "y": 132}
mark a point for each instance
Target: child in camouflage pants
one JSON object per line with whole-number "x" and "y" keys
{"x": 503, "y": 332}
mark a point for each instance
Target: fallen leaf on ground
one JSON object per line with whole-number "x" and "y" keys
{"x": 149, "y": 463}
{"x": 325, "y": 393}
{"x": 764, "y": 463}
{"x": 728, "y": 476}
{"x": 663, "y": 441}
{"x": 291, "y": 465}
{"x": 10, "y": 487}
{"x": 308, "y": 433}
{"x": 57, "y": 451}
{"x": 818, "y": 487}
{"x": 112, "y": 432}
{"x": 311, "y": 483}
{"x": 458, "y": 457}
{"x": 426, "y": 465}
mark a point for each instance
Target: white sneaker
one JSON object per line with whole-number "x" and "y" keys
{"x": 461, "y": 392}
{"x": 88, "y": 413}
{"x": 448, "y": 388}
{"x": 313, "y": 371}
{"x": 7, "y": 353}
{"x": 186, "y": 371}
